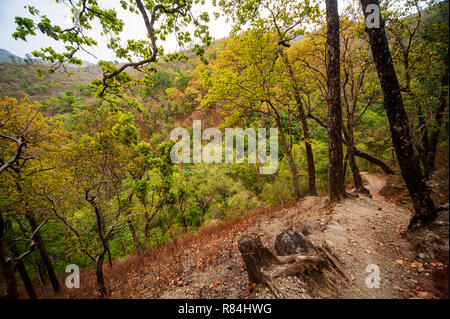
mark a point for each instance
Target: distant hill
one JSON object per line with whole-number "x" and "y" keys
{"x": 18, "y": 76}
{"x": 6, "y": 56}
{"x": 17, "y": 79}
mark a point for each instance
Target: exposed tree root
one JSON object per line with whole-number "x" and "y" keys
{"x": 320, "y": 269}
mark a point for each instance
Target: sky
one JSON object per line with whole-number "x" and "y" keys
{"x": 60, "y": 14}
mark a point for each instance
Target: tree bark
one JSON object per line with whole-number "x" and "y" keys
{"x": 374, "y": 160}
{"x": 335, "y": 153}
{"x": 399, "y": 124}
{"x": 44, "y": 254}
{"x": 436, "y": 129}
{"x": 7, "y": 264}
{"x": 424, "y": 143}
{"x": 313, "y": 264}
{"x": 8, "y": 272}
{"x": 100, "y": 225}
{"x": 148, "y": 219}
{"x": 351, "y": 158}
{"x": 256, "y": 256}
{"x": 356, "y": 175}
{"x": 24, "y": 274}
{"x": 137, "y": 244}
{"x": 167, "y": 224}
{"x": 99, "y": 274}
{"x": 26, "y": 280}
{"x": 41, "y": 279}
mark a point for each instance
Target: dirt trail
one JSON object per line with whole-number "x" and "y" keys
{"x": 363, "y": 232}
{"x": 375, "y": 182}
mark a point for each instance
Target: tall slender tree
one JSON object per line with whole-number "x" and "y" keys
{"x": 335, "y": 153}
{"x": 407, "y": 156}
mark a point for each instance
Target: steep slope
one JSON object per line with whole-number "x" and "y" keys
{"x": 360, "y": 231}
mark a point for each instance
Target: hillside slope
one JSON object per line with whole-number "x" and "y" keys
{"x": 17, "y": 79}
{"x": 360, "y": 231}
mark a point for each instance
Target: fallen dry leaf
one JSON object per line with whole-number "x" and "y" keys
{"x": 399, "y": 288}
{"x": 399, "y": 261}
{"x": 422, "y": 294}
{"x": 416, "y": 264}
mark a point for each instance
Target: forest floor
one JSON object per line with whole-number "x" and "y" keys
{"x": 360, "y": 231}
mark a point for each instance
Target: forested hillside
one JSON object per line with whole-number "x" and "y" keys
{"x": 20, "y": 78}
{"x": 88, "y": 176}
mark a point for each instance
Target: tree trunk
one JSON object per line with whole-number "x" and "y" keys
{"x": 40, "y": 277}
{"x": 155, "y": 237}
{"x": 345, "y": 164}
{"x": 148, "y": 219}
{"x": 374, "y": 160}
{"x": 436, "y": 128}
{"x": 183, "y": 217}
{"x": 8, "y": 273}
{"x": 26, "y": 280}
{"x": 7, "y": 265}
{"x": 99, "y": 274}
{"x": 301, "y": 111}
{"x": 100, "y": 225}
{"x": 24, "y": 274}
{"x": 351, "y": 158}
{"x": 146, "y": 238}
{"x": 168, "y": 225}
{"x": 424, "y": 142}
{"x": 356, "y": 175}
{"x": 399, "y": 124}
{"x": 256, "y": 256}
{"x": 292, "y": 165}
{"x": 44, "y": 254}
{"x": 315, "y": 265}
{"x": 335, "y": 153}
{"x": 137, "y": 244}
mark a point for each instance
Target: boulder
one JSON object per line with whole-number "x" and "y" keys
{"x": 290, "y": 242}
